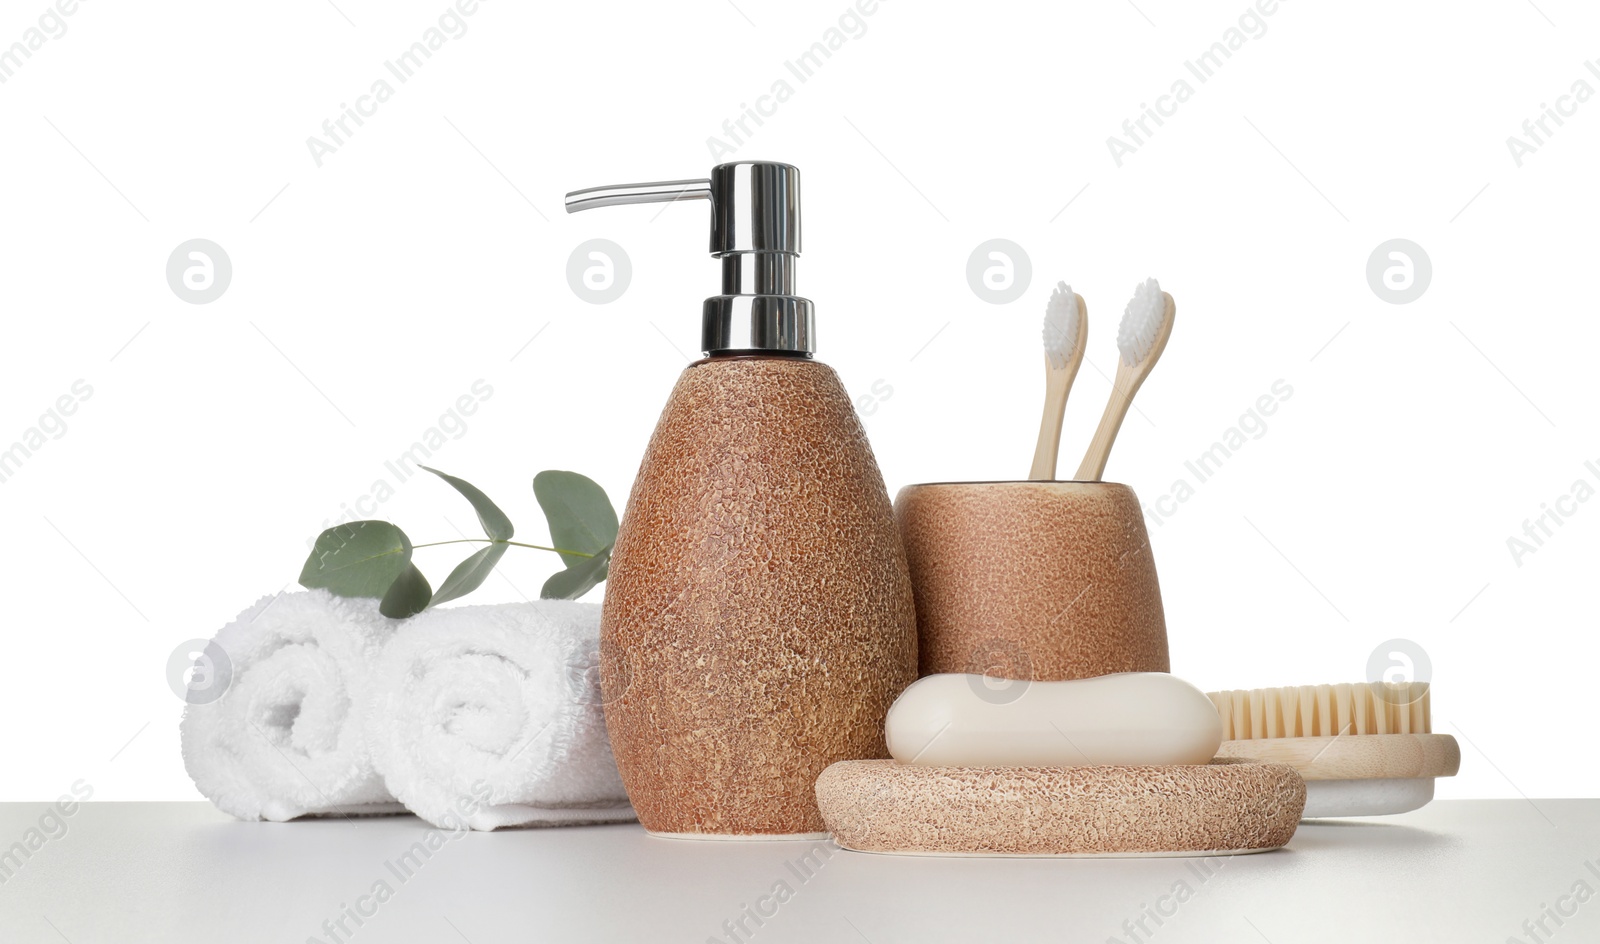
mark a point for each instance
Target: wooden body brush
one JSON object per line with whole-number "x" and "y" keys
{"x": 1141, "y": 337}
{"x": 1364, "y": 749}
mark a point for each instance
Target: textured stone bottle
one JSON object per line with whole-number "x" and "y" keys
{"x": 758, "y": 617}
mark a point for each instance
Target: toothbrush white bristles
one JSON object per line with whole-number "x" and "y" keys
{"x": 1141, "y": 322}
{"x": 1061, "y": 318}
{"x": 1141, "y": 337}
{"x": 1065, "y": 330}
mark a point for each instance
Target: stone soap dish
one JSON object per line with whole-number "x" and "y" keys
{"x": 1222, "y": 808}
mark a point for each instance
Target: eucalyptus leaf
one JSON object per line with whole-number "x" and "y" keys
{"x": 580, "y": 515}
{"x": 359, "y": 559}
{"x": 408, "y": 596}
{"x": 495, "y": 523}
{"x": 580, "y": 578}
{"x": 469, "y": 575}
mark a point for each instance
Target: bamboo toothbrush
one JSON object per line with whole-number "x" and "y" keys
{"x": 1141, "y": 337}
{"x": 1066, "y": 327}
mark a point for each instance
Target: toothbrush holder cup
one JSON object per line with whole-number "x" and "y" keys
{"x": 1041, "y": 581}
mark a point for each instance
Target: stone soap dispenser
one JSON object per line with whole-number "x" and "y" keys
{"x": 758, "y": 616}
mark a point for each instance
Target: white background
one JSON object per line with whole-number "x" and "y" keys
{"x": 427, "y": 251}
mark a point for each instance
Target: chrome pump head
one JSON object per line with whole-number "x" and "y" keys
{"x": 755, "y": 231}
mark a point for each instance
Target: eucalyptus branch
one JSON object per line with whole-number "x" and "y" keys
{"x": 372, "y": 559}
{"x": 537, "y": 547}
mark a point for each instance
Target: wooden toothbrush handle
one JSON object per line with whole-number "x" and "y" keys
{"x": 1105, "y": 435}
{"x": 1057, "y": 383}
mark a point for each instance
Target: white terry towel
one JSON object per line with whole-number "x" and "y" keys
{"x": 283, "y": 740}
{"x": 492, "y": 716}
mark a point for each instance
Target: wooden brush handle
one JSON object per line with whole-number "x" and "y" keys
{"x": 1105, "y": 435}
{"x": 1354, "y": 756}
{"x": 1057, "y": 383}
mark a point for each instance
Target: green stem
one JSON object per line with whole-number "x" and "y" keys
{"x": 537, "y": 547}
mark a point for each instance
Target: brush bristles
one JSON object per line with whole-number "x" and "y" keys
{"x": 1324, "y": 710}
{"x": 1061, "y": 318}
{"x": 1141, "y": 322}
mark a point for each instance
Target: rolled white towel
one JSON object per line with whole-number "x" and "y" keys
{"x": 492, "y": 716}
{"x": 283, "y": 740}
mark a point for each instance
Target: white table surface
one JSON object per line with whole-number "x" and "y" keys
{"x": 1464, "y": 870}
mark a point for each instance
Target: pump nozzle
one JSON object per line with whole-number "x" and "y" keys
{"x": 661, "y": 191}
{"x": 755, "y": 231}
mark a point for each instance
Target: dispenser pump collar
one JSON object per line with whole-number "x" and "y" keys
{"x": 755, "y": 231}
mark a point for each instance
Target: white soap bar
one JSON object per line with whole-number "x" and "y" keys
{"x": 977, "y": 721}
